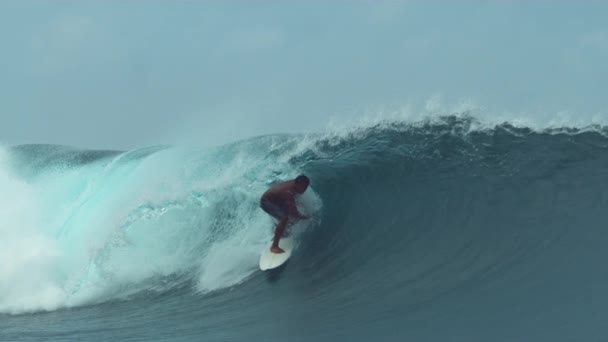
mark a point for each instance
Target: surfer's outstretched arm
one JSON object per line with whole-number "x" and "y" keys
{"x": 293, "y": 210}
{"x": 278, "y": 232}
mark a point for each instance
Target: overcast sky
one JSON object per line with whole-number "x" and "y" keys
{"x": 126, "y": 74}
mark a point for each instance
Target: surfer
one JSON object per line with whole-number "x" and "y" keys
{"x": 279, "y": 202}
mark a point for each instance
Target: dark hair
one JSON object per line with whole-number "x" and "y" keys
{"x": 301, "y": 179}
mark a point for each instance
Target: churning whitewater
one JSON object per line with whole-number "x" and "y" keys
{"x": 88, "y": 226}
{"x": 441, "y": 230}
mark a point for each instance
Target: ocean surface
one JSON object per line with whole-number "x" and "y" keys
{"x": 439, "y": 230}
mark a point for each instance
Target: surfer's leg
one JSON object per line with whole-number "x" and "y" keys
{"x": 278, "y": 232}
{"x": 272, "y": 209}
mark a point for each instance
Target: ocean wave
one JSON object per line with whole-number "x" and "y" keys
{"x": 443, "y": 223}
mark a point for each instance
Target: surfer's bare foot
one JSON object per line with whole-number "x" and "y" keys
{"x": 277, "y": 250}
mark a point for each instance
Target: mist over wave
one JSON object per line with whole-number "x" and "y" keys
{"x": 440, "y": 229}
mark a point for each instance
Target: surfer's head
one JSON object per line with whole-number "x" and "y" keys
{"x": 301, "y": 184}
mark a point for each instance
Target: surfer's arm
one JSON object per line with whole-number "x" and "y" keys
{"x": 293, "y": 210}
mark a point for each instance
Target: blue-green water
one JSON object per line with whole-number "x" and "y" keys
{"x": 435, "y": 231}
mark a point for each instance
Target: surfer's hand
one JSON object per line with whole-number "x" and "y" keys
{"x": 277, "y": 250}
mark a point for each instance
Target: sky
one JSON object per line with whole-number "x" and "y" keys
{"x": 134, "y": 73}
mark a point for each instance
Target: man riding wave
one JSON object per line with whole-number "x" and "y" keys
{"x": 279, "y": 202}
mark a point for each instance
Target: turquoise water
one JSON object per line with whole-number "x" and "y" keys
{"x": 442, "y": 230}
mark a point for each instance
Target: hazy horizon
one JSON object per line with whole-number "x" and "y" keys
{"x": 122, "y": 75}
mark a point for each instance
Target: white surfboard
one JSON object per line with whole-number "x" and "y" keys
{"x": 269, "y": 260}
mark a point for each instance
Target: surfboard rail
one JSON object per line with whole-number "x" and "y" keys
{"x": 270, "y": 260}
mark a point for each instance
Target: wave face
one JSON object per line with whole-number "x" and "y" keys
{"x": 439, "y": 230}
